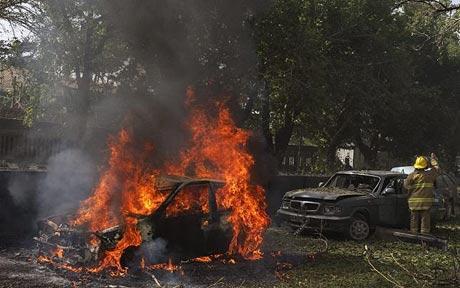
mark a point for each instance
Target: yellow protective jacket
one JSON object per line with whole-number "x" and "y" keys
{"x": 419, "y": 185}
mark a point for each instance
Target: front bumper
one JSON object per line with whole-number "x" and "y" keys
{"x": 333, "y": 223}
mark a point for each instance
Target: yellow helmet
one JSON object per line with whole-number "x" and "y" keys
{"x": 420, "y": 163}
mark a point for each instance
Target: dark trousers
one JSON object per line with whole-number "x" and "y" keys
{"x": 420, "y": 221}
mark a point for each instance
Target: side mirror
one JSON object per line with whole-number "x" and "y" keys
{"x": 389, "y": 191}
{"x": 320, "y": 184}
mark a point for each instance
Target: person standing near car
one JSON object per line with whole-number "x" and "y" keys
{"x": 346, "y": 165}
{"x": 420, "y": 187}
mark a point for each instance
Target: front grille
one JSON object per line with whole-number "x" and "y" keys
{"x": 305, "y": 206}
{"x": 310, "y": 206}
{"x": 286, "y": 204}
{"x": 295, "y": 205}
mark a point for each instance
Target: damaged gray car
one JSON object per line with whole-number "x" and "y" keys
{"x": 353, "y": 203}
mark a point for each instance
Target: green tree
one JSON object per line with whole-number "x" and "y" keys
{"x": 76, "y": 49}
{"x": 291, "y": 61}
{"x": 356, "y": 72}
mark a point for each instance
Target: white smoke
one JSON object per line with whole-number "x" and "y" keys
{"x": 154, "y": 251}
{"x": 69, "y": 180}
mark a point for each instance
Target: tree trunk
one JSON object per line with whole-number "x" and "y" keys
{"x": 282, "y": 138}
{"x": 84, "y": 88}
{"x": 336, "y": 138}
{"x": 266, "y": 123}
{"x": 369, "y": 152}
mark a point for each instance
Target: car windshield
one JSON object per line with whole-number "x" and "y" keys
{"x": 361, "y": 183}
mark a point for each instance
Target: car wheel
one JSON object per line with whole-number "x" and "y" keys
{"x": 359, "y": 228}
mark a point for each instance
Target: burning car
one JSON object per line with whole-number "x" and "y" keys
{"x": 200, "y": 227}
{"x": 133, "y": 202}
{"x": 352, "y": 202}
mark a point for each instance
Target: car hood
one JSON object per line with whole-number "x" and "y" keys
{"x": 324, "y": 193}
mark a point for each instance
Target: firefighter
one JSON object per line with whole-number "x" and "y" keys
{"x": 419, "y": 185}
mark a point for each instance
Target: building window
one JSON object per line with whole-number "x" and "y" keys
{"x": 291, "y": 161}
{"x": 284, "y": 161}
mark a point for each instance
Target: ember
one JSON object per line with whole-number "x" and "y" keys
{"x": 281, "y": 270}
{"x": 66, "y": 266}
{"x": 204, "y": 259}
{"x": 58, "y": 252}
{"x": 170, "y": 267}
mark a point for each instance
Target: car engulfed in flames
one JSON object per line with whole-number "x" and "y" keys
{"x": 197, "y": 227}
{"x": 133, "y": 202}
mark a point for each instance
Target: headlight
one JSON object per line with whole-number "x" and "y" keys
{"x": 286, "y": 204}
{"x": 332, "y": 210}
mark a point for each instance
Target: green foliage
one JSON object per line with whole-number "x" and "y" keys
{"x": 26, "y": 92}
{"x": 361, "y": 72}
{"x": 68, "y": 63}
{"x": 382, "y": 75}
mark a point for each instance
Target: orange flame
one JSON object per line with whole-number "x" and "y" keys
{"x": 66, "y": 266}
{"x": 170, "y": 267}
{"x": 204, "y": 259}
{"x": 219, "y": 150}
{"x": 58, "y": 252}
{"x": 127, "y": 187}
{"x": 191, "y": 199}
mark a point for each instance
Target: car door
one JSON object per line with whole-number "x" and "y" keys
{"x": 453, "y": 186}
{"x": 181, "y": 224}
{"x": 452, "y": 183}
{"x": 441, "y": 186}
{"x": 387, "y": 203}
{"x": 402, "y": 207}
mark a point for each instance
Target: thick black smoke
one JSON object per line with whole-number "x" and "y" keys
{"x": 171, "y": 45}
{"x": 205, "y": 44}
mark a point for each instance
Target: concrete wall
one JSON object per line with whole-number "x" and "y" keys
{"x": 18, "y": 209}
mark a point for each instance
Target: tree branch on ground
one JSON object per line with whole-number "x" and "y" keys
{"x": 389, "y": 278}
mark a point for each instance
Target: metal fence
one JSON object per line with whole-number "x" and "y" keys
{"x": 21, "y": 144}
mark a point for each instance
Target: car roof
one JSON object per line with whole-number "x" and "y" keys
{"x": 380, "y": 173}
{"x": 403, "y": 169}
{"x": 166, "y": 182}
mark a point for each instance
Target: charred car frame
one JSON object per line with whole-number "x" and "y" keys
{"x": 188, "y": 234}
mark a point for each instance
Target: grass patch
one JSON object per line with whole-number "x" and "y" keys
{"x": 346, "y": 263}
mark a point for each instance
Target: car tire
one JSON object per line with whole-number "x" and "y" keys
{"x": 359, "y": 228}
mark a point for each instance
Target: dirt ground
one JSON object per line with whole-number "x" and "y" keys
{"x": 19, "y": 268}
{"x": 289, "y": 261}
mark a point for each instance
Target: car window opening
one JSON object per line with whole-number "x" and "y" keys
{"x": 360, "y": 183}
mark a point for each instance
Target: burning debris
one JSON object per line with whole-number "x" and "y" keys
{"x": 81, "y": 248}
{"x": 133, "y": 203}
